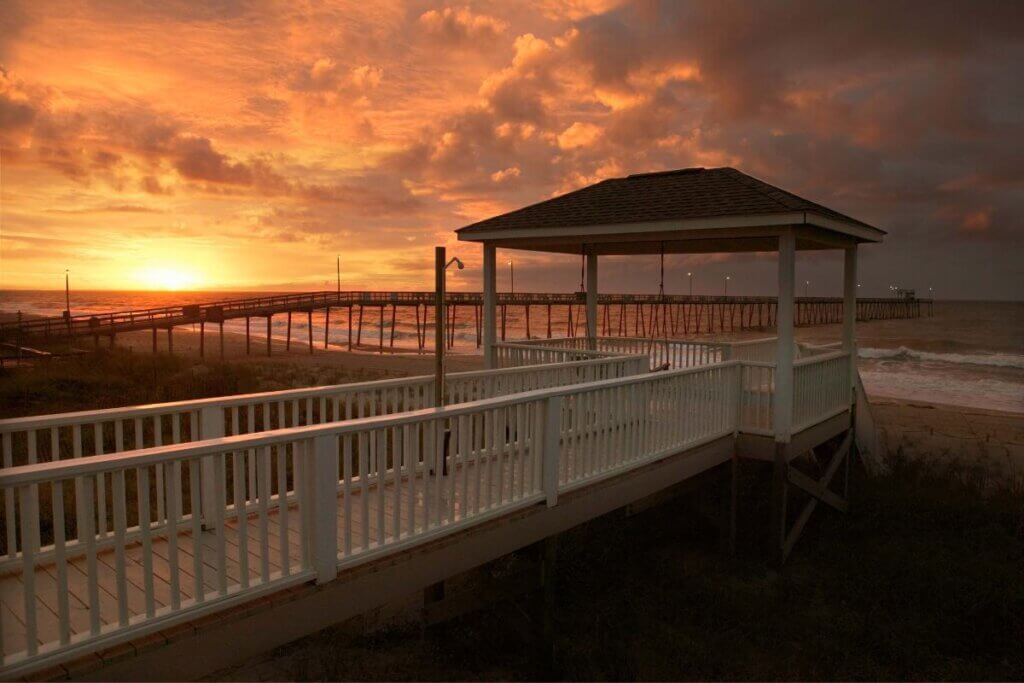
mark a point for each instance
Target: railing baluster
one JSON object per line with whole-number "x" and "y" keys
{"x": 142, "y": 492}
{"x": 60, "y": 560}
{"x": 118, "y": 493}
{"x": 282, "y": 506}
{"x": 172, "y": 477}
{"x": 196, "y": 506}
{"x": 28, "y": 499}
{"x": 263, "y": 477}
{"x": 241, "y": 515}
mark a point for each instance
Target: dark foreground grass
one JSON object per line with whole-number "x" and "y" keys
{"x": 922, "y": 579}
{"x": 117, "y": 377}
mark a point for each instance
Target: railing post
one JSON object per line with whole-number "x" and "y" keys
{"x": 319, "y": 501}
{"x": 551, "y": 438}
{"x": 211, "y": 426}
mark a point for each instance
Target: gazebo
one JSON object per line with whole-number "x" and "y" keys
{"x": 691, "y": 210}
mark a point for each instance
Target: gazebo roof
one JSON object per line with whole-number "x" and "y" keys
{"x": 686, "y": 210}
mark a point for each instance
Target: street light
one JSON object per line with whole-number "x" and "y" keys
{"x": 690, "y": 276}
{"x": 512, "y": 276}
{"x": 727, "y": 285}
{"x": 807, "y": 288}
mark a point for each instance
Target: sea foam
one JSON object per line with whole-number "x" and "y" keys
{"x": 1001, "y": 360}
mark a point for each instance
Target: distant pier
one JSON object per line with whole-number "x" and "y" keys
{"x": 618, "y": 314}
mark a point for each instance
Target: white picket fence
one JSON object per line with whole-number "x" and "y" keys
{"x": 404, "y": 479}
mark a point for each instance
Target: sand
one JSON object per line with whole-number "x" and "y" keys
{"x": 400, "y": 362}
{"x": 989, "y": 439}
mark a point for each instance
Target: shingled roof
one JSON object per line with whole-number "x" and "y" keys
{"x": 683, "y": 194}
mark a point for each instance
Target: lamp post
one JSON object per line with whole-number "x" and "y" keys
{"x": 512, "y": 276}
{"x": 807, "y": 288}
{"x": 727, "y": 285}
{"x": 440, "y": 268}
{"x": 67, "y": 300}
{"x": 689, "y": 276}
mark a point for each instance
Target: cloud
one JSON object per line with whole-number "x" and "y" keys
{"x": 505, "y": 175}
{"x": 579, "y": 135}
{"x": 456, "y": 26}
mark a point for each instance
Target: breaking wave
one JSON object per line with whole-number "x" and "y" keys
{"x": 1000, "y": 360}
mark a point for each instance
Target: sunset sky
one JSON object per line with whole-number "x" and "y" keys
{"x": 236, "y": 145}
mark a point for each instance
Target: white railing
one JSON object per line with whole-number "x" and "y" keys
{"x": 757, "y": 350}
{"x": 821, "y": 388}
{"x": 757, "y": 392}
{"x": 393, "y": 480}
{"x": 674, "y": 353}
{"x": 30, "y": 440}
{"x": 515, "y": 355}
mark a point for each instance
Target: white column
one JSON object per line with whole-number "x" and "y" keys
{"x": 490, "y": 303}
{"x": 783, "y": 418}
{"x": 850, "y": 310}
{"x": 592, "y": 301}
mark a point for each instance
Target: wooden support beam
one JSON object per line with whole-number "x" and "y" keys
{"x": 288, "y": 334}
{"x": 327, "y": 325}
{"x": 309, "y": 329}
{"x": 202, "y": 339}
{"x": 269, "y": 327}
{"x": 247, "y": 335}
{"x": 222, "y": 339}
{"x": 838, "y": 458}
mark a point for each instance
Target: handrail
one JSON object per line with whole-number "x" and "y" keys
{"x": 64, "y": 469}
{"x": 811, "y": 360}
{"x": 106, "y": 414}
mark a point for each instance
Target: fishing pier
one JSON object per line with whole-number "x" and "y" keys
{"x": 542, "y": 315}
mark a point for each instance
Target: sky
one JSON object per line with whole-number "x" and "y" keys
{"x": 239, "y": 145}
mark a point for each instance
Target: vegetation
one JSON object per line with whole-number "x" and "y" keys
{"x": 922, "y": 579}
{"x": 118, "y": 377}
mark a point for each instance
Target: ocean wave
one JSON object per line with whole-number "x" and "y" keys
{"x": 1001, "y": 360}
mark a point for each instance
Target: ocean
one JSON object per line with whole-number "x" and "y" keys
{"x": 967, "y": 353}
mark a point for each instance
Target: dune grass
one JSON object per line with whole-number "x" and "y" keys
{"x": 117, "y": 377}
{"x": 922, "y": 579}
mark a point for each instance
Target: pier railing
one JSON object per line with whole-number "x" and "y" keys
{"x": 466, "y": 463}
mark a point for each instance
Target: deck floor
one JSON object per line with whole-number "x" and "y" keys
{"x": 282, "y": 549}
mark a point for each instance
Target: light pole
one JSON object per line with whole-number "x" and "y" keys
{"x": 440, "y": 268}
{"x": 807, "y": 288}
{"x": 512, "y": 276}
{"x": 690, "y": 278}
{"x": 727, "y": 285}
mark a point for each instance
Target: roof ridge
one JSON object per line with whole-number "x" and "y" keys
{"x": 758, "y": 185}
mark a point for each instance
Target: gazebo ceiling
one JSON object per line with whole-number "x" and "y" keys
{"x": 689, "y": 210}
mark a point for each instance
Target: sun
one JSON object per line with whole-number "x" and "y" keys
{"x": 167, "y": 278}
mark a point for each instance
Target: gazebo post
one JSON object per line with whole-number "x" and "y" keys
{"x": 592, "y": 301}
{"x": 783, "y": 414}
{"x": 490, "y": 303}
{"x": 850, "y": 313}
